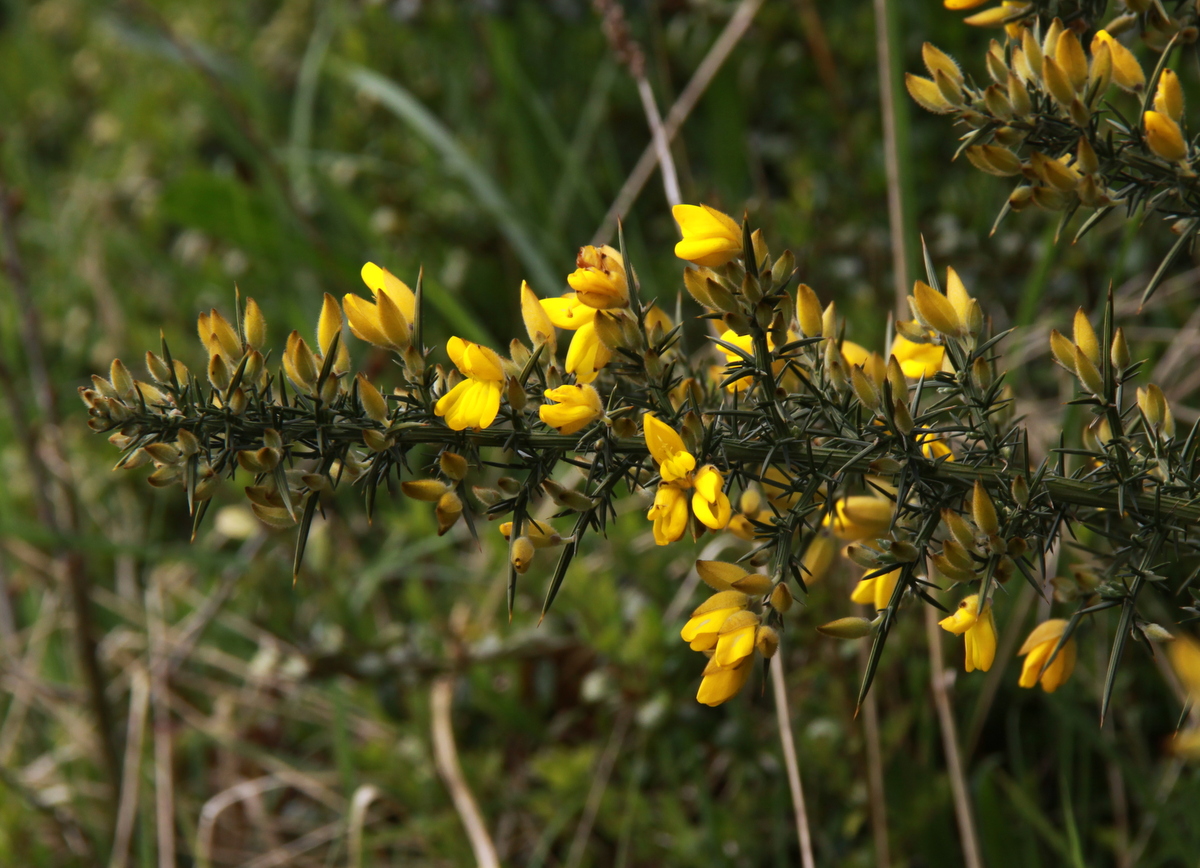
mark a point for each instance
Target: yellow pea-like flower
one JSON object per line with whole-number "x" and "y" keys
{"x": 667, "y": 449}
{"x": 710, "y": 504}
{"x": 599, "y": 278}
{"x": 1164, "y": 137}
{"x": 475, "y": 401}
{"x": 587, "y": 355}
{"x": 1168, "y": 96}
{"x": 962, "y": 5}
{"x": 575, "y": 408}
{"x": 382, "y": 282}
{"x": 1039, "y": 646}
{"x": 538, "y": 324}
{"x": 669, "y": 514}
{"x": 877, "y": 591}
{"x": 859, "y": 517}
{"x": 720, "y": 684}
{"x": 710, "y": 238}
{"x": 1184, "y": 653}
{"x": 1126, "y": 71}
{"x": 735, "y": 639}
{"x": 917, "y": 360}
{"x": 980, "y": 630}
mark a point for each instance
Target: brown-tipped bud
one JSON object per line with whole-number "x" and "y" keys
{"x": 1119, "y": 352}
{"x": 902, "y": 551}
{"x": 865, "y": 556}
{"x": 864, "y": 388}
{"x": 508, "y": 485}
{"x": 376, "y": 441}
{"x": 164, "y": 453}
{"x": 1020, "y": 198}
{"x": 219, "y": 374}
{"x": 1086, "y": 160}
{"x": 994, "y": 160}
{"x": 783, "y": 267}
{"x": 300, "y": 364}
{"x": 958, "y": 555}
{"x": 1018, "y": 96}
{"x": 187, "y": 443}
{"x": 950, "y": 90}
{"x": 808, "y": 311}
{"x": 453, "y": 465}
{"x": 254, "y": 324}
{"x": 934, "y": 311}
{"x": 608, "y": 329}
{"x": 372, "y": 400}
{"x": 835, "y": 367}
{"x": 983, "y": 511}
{"x": 981, "y": 370}
{"x": 624, "y": 426}
{"x": 766, "y": 640}
{"x": 1088, "y": 375}
{"x": 950, "y": 570}
{"x": 902, "y": 417}
{"x": 1153, "y": 404}
{"x": 122, "y": 380}
{"x": 995, "y": 98}
{"x": 962, "y": 532}
{"x": 1057, "y": 82}
{"x": 157, "y": 368}
{"x": 165, "y": 476}
{"x": 316, "y": 481}
{"x": 1063, "y": 350}
{"x": 1017, "y": 546}
{"x": 448, "y": 510}
{"x": 996, "y": 65}
{"x": 517, "y": 397}
{"x": 486, "y": 496}
{"x": 829, "y": 321}
{"x": 847, "y": 628}
{"x": 428, "y": 490}
{"x": 521, "y": 554}
{"x": 1020, "y": 491}
{"x": 781, "y": 598}
{"x": 1085, "y": 337}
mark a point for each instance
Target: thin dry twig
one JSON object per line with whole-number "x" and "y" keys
{"x": 604, "y": 769}
{"x": 788, "y": 741}
{"x": 876, "y": 793}
{"x": 734, "y": 30}
{"x": 445, "y": 755}
{"x": 954, "y": 768}
{"x": 131, "y": 777}
{"x": 891, "y": 158}
{"x": 164, "y": 784}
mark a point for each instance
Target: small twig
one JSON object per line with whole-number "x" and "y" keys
{"x": 958, "y": 781}
{"x": 445, "y": 755}
{"x": 891, "y": 157}
{"x": 661, "y": 146}
{"x": 788, "y": 741}
{"x": 604, "y": 769}
{"x": 131, "y": 777}
{"x": 359, "y": 805}
{"x": 738, "y": 24}
{"x": 876, "y": 793}
{"x": 164, "y": 784}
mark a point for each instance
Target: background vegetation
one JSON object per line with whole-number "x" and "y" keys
{"x": 155, "y": 153}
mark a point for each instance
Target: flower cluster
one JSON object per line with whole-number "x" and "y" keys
{"x": 907, "y": 457}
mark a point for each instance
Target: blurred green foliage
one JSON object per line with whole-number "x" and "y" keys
{"x": 162, "y": 152}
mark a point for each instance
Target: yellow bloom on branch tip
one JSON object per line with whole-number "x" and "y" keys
{"x": 980, "y": 630}
{"x": 599, "y": 278}
{"x": 877, "y": 591}
{"x": 587, "y": 355}
{"x": 709, "y": 502}
{"x": 1164, "y": 137}
{"x": 721, "y": 684}
{"x": 475, "y": 401}
{"x": 859, "y": 517}
{"x": 917, "y": 360}
{"x": 667, "y": 449}
{"x": 576, "y": 407}
{"x": 710, "y": 238}
{"x": 1039, "y": 646}
{"x": 382, "y": 282}
{"x": 669, "y": 514}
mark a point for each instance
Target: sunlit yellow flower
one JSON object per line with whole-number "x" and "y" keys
{"x": 877, "y": 590}
{"x": 576, "y": 408}
{"x": 818, "y": 558}
{"x": 599, "y": 278}
{"x": 587, "y": 354}
{"x": 475, "y": 401}
{"x": 1039, "y": 646}
{"x": 1185, "y": 660}
{"x": 720, "y": 684}
{"x": 388, "y": 322}
{"x": 735, "y": 639}
{"x": 1127, "y": 72}
{"x": 710, "y": 238}
{"x": 1164, "y": 137}
{"x": 667, "y": 449}
{"x": 860, "y": 517}
{"x": 933, "y": 448}
{"x": 980, "y": 630}
{"x": 855, "y": 354}
{"x": 745, "y": 343}
{"x": 703, "y": 628}
{"x": 669, "y": 514}
{"x": 710, "y": 504}
{"x": 917, "y": 360}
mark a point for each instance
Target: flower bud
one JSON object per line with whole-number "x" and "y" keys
{"x": 453, "y": 465}
{"x": 428, "y": 490}
{"x": 448, "y": 509}
{"x": 847, "y": 628}
{"x": 254, "y": 325}
{"x": 1088, "y": 375}
{"x": 372, "y": 400}
{"x": 1020, "y": 491}
{"x": 521, "y": 554}
{"x": 781, "y": 597}
{"x": 766, "y": 640}
{"x": 808, "y": 312}
{"x": 1119, "y": 352}
{"x": 983, "y": 511}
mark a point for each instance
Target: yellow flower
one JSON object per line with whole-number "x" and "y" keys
{"x": 587, "y": 354}
{"x": 859, "y": 517}
{"x": 577, "y": 407}
{"x": 1039, "y": 646}
{"x": 720, "y": 684}
{"x": 917, "y": 360}
{"x": 980, "y": 630}
{"x": 1164, "y": 137}
{"x": 599, "y": 278}
{"x": 877, "y": 590}
{"x": 669, "y": 514}
{"x": 1185, "y": 660}
{"x": 703, "y": 628}
{"x": 710, "y": 504}
{"x": 735, "y": 639}
{"x": 818, "y": 558}
{"x": 387, "y": 323}
{"x": 667, "y": 449}
{"x": 537, "y": 321}
{"x": 933, "y": 449}
{"x": 744, "y": 343}
{"x": 710, "y": 238}
{"x": 1127, "y": 72}
{"x": 475, "y": 401}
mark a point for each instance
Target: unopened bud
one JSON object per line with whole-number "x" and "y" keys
{"x": 781, "y": 597}
{"x": 453, "y": 465}
{"x": 902, "y": 417}
{"x": 521, "y": 554}
{"x": 157, "y": 368}
{"x": 1020, "y": 491}
{"x": 766, "y": 640}
{"x": 1119, "y": 352}
{"x": 983, "y": 511}
{"x": 508, "y": 485}
{"x": 428, "y": 490}
{"x": 847, "y": 628}
{"x": 448, "y": 509}
{"x": 864, "y": 388}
